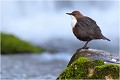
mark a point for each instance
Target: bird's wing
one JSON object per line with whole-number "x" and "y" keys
{"x": 89, "y": 27}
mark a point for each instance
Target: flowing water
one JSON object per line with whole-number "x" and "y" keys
{"x": 43, "y": 66}
{"x": 33, "y": 66}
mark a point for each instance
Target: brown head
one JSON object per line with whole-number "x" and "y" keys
{"x": 76, "y": 14}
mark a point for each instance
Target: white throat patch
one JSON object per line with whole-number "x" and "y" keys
{"x": 74, "y": 21}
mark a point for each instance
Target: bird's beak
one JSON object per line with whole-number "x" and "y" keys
{"x": 69, "y": 13}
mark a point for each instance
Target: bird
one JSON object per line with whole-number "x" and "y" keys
{"x": 85, "y": 28}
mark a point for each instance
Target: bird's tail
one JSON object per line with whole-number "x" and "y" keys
{"x": 105, "y": 38}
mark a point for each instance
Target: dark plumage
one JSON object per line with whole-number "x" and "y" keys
{"x": 86, "y": 29}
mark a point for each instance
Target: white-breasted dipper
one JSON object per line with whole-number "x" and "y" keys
{"x": 85, "y": 28}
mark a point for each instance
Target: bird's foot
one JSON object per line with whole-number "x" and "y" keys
{"x": 86, "y": 48}
{"x": 82, "y": 48}
{"x": 78, "y": 49}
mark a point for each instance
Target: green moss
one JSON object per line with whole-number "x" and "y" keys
{"x": 106, "y": 70}
{"x": 75, "y": 57}
{"x": 79, "y": 69}
{"x": 82, "y": 68}
{"x": 12, "y": 44}
{"x": 95, "y": 63}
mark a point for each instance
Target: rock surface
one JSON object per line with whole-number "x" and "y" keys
{"x": 93, "y": 54}
{"x": 92, "y": 64}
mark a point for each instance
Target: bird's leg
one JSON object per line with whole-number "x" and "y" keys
{"x": 84, "y": 47}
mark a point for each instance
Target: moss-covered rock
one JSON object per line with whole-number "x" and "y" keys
{"x": 12, "y": 44}
{"x": 78, "y": 67}
{"x": 104, "y": 71}
{"x": 85, "y": 69}
{"x": 89, "y": 64}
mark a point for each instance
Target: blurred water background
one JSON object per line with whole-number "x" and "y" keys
{"x": 45, "y": 24}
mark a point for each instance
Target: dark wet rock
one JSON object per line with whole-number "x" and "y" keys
{"x": 92, "y": 64}
{"x": 93, "y": 54}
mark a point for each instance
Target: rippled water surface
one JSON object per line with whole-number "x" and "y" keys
{"x": 43, "y": 66}
{"x": 33, "y": 66}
